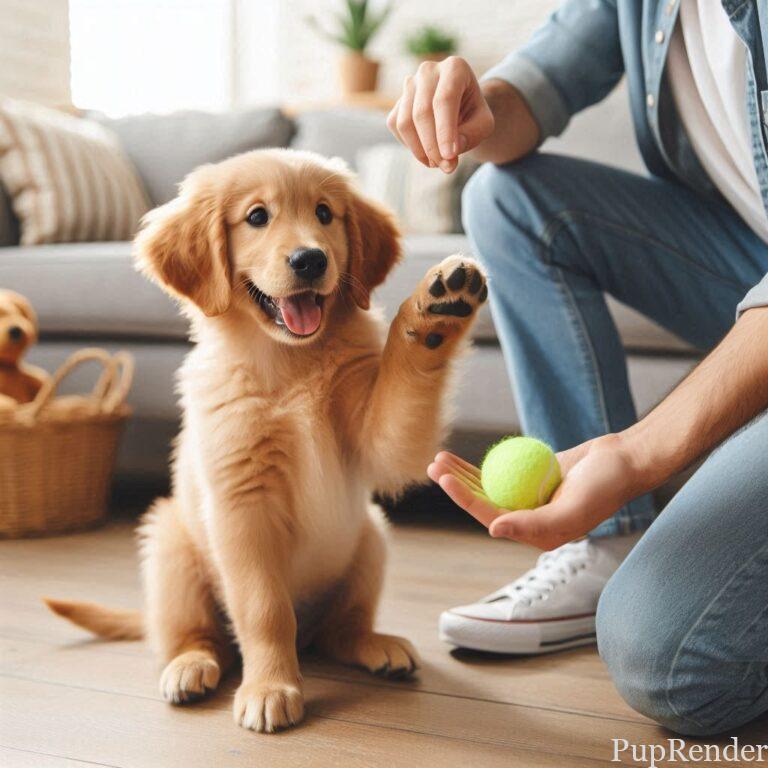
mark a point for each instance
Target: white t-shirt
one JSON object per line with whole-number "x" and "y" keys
{"x": 707, "y": 73}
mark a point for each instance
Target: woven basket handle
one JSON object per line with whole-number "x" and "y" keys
{"x": 122, "y": 379}
{"x": 110, "y": 389}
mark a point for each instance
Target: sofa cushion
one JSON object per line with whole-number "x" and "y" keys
{"x": 341, "y": 132}
{"x": 91, "y": 290}
{"x": 165, "y": 148}
{"x": 10, "y": 232}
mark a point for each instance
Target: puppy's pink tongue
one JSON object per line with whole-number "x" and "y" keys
{"x": 301, "y": 313}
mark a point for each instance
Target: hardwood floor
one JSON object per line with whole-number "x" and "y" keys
{"x": 66, "y": 700}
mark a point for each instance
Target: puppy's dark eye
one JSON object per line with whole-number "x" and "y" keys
{"x": 258, "y": 217}
{"x": 323, "y": 213}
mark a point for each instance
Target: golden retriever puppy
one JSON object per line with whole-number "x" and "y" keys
{"x": 294, "y": 411}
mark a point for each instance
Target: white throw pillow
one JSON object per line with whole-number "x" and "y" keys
{"x": 425, "y": 200}
{"x": 68, "y": 178}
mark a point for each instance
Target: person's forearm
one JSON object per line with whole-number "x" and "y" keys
{"x": 722, "y": 394}
{"x": 515, "y": 133}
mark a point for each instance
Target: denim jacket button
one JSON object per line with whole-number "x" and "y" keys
{"x": 650, "y": 100}
{"x": 659, "y": 36}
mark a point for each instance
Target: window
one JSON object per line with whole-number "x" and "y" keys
{"x": 131, "y": 56}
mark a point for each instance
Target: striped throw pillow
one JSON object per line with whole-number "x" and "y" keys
{"x": 68, "y": 178}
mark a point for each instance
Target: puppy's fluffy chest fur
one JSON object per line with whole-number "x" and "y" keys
{"x": 271, "y": 435}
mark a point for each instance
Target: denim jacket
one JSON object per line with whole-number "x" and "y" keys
{"x": 586, "y": 46}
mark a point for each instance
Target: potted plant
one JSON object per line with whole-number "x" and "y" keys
{"x": 357, "y": 26}
{"x": 431, "y": 43}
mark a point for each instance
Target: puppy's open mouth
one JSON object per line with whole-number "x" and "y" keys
{"x": 300, "y": 313}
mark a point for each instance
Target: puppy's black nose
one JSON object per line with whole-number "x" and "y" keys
{"x": 15, "y": 333}
{"x": 308, "y": 263}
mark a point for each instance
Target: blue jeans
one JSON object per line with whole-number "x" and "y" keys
{"x": 555, "y": 234}
{"x": 683, "y": 623}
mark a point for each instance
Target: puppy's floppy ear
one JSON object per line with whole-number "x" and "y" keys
{"x": 183, "y": 246}
{"x": 374, "y": 246}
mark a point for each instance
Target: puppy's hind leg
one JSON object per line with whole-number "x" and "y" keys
{"x": 182, "y": 619}
{"x": 346, "y": 633}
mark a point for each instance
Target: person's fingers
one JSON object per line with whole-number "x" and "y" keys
{"x": 392, "y": 121}
{"x": 546, "y": 527}
{"x": 451, "y": 458}
{"x": 476, "y": 121}
{"x": 440, "y": 468}
{"x": 520, "y": 525}
{"x": 423, "y": 113}
{"x": 404, "y": 122}
{"x": 471, "y": 478}
{"x": 446, "y": 104}
{"x": 460, "y": 493}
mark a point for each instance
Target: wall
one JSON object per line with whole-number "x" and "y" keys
{"x": 34, "y": 50}
{"x": 487, "y": 29}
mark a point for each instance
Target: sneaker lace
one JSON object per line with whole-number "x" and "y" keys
{"x": 551, "y": 570}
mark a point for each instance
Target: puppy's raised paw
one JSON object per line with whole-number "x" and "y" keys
{"x": 268, "y": 707}
{"x": 446, "y": 301}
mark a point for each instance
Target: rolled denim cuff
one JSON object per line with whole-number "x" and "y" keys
{"x": 757, "y": 297}
{"x": 541, "y": 95}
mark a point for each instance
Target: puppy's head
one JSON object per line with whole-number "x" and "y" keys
{"x": 18, "y": 326}
{"x": 277, "y": 234}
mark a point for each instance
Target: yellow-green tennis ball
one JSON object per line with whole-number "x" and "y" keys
{"x": 520, "y": 473}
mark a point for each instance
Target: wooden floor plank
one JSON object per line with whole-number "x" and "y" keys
{"x": 134, "y": 732}
{"x": 66, "y": 700}
{"x": 403, "y": 707}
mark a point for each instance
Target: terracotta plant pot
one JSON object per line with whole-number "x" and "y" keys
{"x": 357, "y": 73}
{"x": 433, "y": 56}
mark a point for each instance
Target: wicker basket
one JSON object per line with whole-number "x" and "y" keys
{"x": 57, "y": 453}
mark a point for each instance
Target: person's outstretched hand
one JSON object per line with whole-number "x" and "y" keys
{"x": 598, "y": 479}
{"x": 441, "y": 113}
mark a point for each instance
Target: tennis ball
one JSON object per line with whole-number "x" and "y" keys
{"x": 520, "y": 473}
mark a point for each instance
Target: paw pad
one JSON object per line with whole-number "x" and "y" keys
{"x": 457, "y": 278}
{"x": 433, "y": 340}
{"x": 447, "y": 299}
{"x": 458, "y": 308}
{"x": 437, "y": 289}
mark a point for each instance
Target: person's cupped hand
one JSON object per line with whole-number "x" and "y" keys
{"x": 598, "y": 479}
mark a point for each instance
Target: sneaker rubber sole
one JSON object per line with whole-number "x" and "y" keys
{"x": 522, "y": 637}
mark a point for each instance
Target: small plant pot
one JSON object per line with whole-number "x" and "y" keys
{"x": 357, "y": 73}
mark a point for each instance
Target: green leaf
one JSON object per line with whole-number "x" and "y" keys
{"x": 430, "y": 40}
{"x": 356, "y": 25}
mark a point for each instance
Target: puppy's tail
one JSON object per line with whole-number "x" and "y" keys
{"x": 109, "y": 623}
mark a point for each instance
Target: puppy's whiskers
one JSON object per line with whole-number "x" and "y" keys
{"x": 354, "y": 282}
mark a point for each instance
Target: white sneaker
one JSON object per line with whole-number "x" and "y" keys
{"x": 549, "y": 608}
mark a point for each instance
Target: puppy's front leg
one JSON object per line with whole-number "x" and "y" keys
{"x": 252, "y": 562}
{"x": 404, "y": 421}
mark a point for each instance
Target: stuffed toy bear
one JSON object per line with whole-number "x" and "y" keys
{"x": 19, "y": 383}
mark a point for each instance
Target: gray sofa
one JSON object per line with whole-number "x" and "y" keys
{"x": 89, "y": 294}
